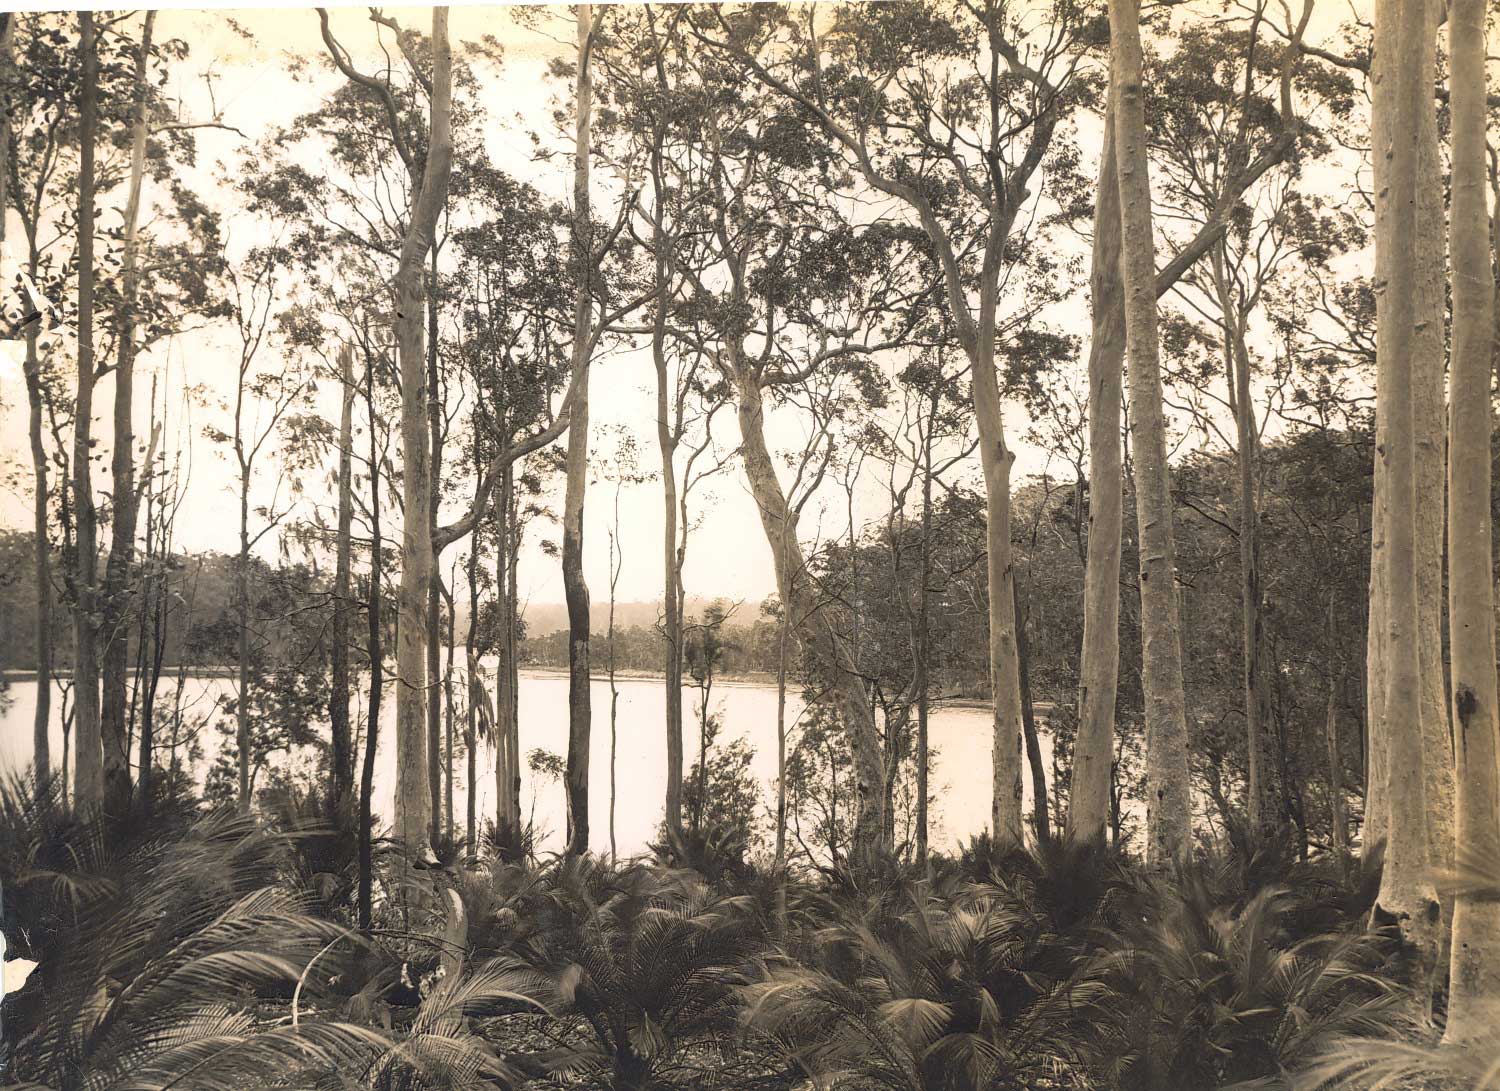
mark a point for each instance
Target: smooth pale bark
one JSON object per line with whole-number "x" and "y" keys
{"x": 342, "y": 756}
{"x": 1382, "y": 89}
{"x": 575, "y": 587}
{"x": 1099, "y": 666}
{"x": 88, "y": 748}
{"x": 1168, "y": 802}
{"x": 1475, "y": 974}
{"x": 115, "y": 604}
{"x": 996, "y": 459}
{"x": 976, "y": 332}
{"x": 810, "y": 619}
{"x": 1407, "y": 898}
{"x": 414, "y": 811}
{"x": 1429, "y": 366}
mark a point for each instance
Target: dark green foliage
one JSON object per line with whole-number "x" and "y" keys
{"x": 1197, "y": 993}
{"x": 156, "y": 964}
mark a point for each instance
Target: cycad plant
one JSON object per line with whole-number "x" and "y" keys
{"x": 967, "y": 994}
{"x": 646, "y": 962}
{"x": 1197, "y": 993}
{"x": 159, "y": 973}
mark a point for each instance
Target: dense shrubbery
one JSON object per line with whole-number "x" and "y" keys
{"x": 218, "y": 952}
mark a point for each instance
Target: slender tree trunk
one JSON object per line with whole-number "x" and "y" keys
{"x": 448, "y": 735}
{"x": 377, "y": 675}
{"x": 1337, "y": 813}
{"x": 435, "y": 590}
{"x": 1382, "y": 110}
{"x": 1475, "y": 975}
{"x": 666, "y": 440}
{"x": 616, "y": 558}
{"x": 475, "y": 687}
{"x": 414, "y": 804}
{"x": 41, "y": 538}
{"x": 338, "y": 698}
{"x": 1266, "y": 808}
{"x": 1169, "y": 812}
{"x": 996, "y": 459}
{"x": 114, "y": 605}
{"x": 513, "y": 668}
{"x": 810, "y": 619}
{"x": 1099, "y": 668}
{"x": 242, "y": 641}
{"x": 575, "y": 588}
{"x": 1040, "y": 817}
{"x": 507, "y": 786}
{"x": 41, "y": 565}
{"x": 1407, "y": 898}
{"x": 782, "y": 632}
{"x": 89, "y": 752}
{"x": 434, "y": 702}
{"x": 1428, "y": 412}
{"x": 924, "y": 652}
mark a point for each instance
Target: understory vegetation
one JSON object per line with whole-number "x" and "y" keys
{"x": 210, "y": 949}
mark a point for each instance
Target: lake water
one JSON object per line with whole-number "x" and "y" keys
{"x": 960, "y": 786}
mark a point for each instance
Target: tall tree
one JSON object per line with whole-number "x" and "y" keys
{"x": 1407, "y": 898}
{"x": 1238, "y": 164}
{"x": 575, "y": 588}
{"x": 986, "y": 143}
{"x": 414, "y": 809}
{"x": 1475, "y": 980}
{"x": 124, "y": 497}
{"x": 35, "y": 397}
{"x": 1099, "y": 665}
{"x": 88, "y": 747}
{"x": 1169, "y": 810}
{"x": 341, "y": 735}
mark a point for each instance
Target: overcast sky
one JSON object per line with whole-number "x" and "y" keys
{"x": 253, "y": 93}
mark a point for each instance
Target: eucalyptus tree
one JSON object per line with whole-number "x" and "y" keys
{"x": 125, "y": 497}
{"x": 513, "y": 314}
{"x": 951, "y": 112}
{"x": 1223, "y": 92}
{"x": 89, "y": 748}
{"x": 427, "y": 166}
{"x": 150, "y": 283}
{"x": 575, "y": 588}
{"x": 1255, "y": 150}
{"x": 1407, "y": 899}
{"x": 794, "y": 295}
{"x": 1475, "y": 977}
{"x": 646, "y": 72}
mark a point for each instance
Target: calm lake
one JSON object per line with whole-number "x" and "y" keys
{"x": 960, "y": 771}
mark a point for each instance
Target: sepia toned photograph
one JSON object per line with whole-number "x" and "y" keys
{"x": 917, "y": 545}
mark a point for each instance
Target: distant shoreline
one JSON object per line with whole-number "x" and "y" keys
{"x": 747, "y": 679}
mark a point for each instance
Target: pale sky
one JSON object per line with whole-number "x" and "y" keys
{"x": 253, "y": 93}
